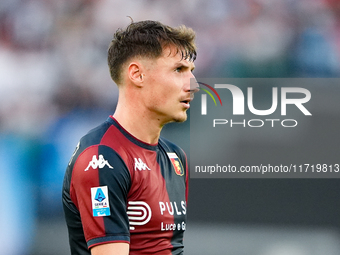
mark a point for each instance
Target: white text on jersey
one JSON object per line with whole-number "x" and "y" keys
{"x": 172, "y": 207}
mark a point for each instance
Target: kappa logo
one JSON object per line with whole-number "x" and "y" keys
{"x": 139, "y": 213}
{"x": 140, "y": 165}
{"x": 100, "y": 162}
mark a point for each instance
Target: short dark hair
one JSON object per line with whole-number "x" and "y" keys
{"x": 148, "y": 39}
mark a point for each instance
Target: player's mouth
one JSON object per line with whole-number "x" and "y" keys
{"x": 186, "y": 103}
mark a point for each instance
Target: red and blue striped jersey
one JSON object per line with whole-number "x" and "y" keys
{"x": 120, "y": 189}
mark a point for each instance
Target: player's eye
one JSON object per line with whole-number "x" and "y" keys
{"x": 179, "y": 69}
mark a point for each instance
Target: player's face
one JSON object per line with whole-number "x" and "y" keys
{"x": 168, "y": 81}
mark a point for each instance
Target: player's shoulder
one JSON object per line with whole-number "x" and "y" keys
{"x": 91, "y": 143}
{"x": 99, "y": 157}
{"x": 95, "y": 135}
{"x": 98, "y": 161}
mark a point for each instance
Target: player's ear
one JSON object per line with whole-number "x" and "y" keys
{"x": 135, "y": 73}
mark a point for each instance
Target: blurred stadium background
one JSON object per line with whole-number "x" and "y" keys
{"x": 55, "y": 86}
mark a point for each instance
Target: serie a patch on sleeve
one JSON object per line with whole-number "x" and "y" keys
{"x": 100, "y": 201}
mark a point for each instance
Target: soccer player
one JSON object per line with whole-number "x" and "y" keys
{"x": 125, "y": 188}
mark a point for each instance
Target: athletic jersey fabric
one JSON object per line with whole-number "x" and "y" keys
{"x": 120, "y": 189}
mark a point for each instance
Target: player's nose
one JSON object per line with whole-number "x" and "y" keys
{"x": 192, "y": 85}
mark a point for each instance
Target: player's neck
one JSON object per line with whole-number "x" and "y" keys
{"x": 138, "y": 122}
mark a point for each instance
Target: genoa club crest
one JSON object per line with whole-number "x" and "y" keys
{"x": 176, "y": 162}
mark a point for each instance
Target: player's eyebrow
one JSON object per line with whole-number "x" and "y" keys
{"x": 185, "y": 65}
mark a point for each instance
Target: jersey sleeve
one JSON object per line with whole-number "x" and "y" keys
{"x": 99, "y": 187}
